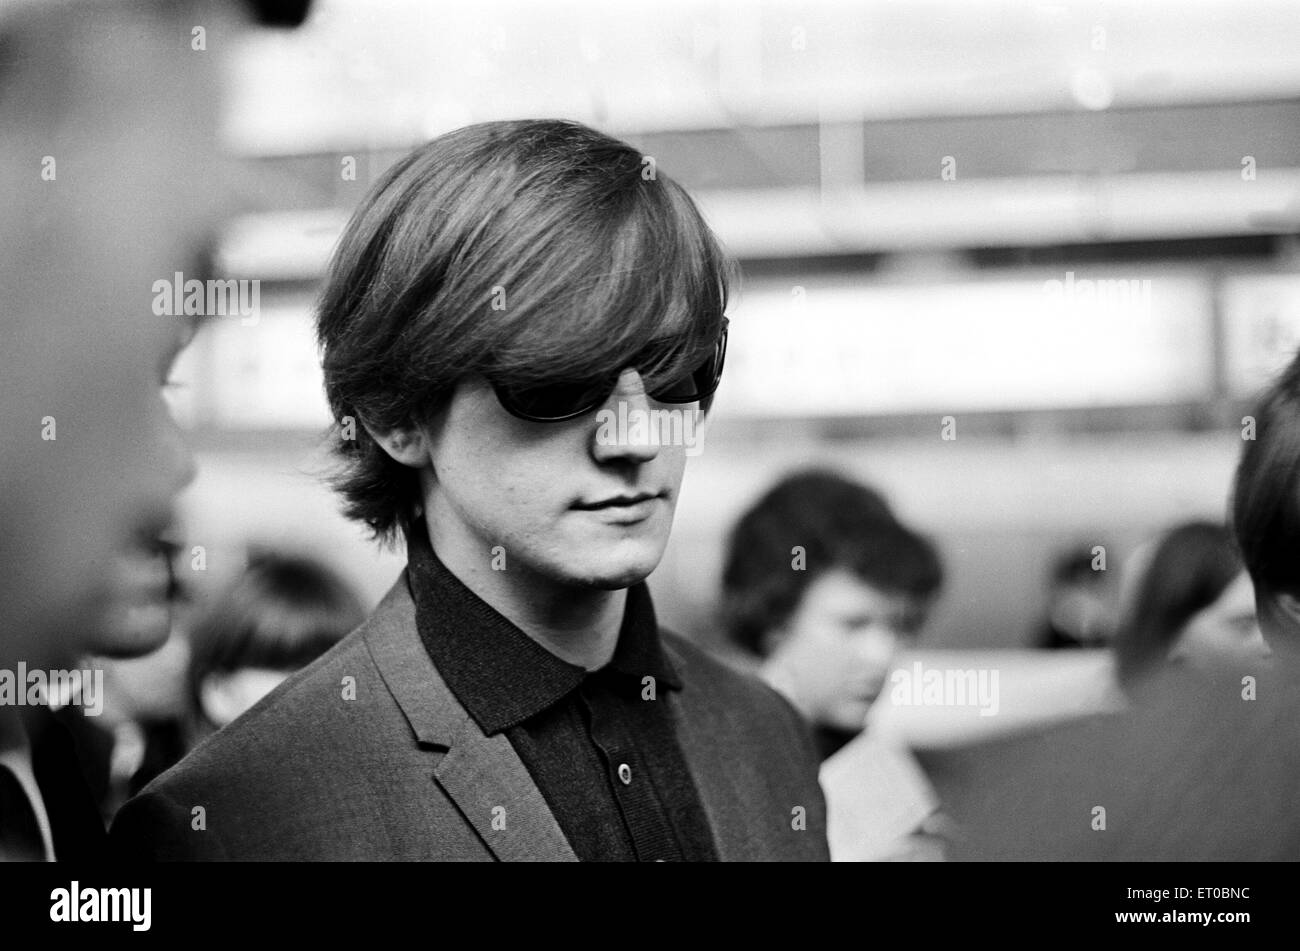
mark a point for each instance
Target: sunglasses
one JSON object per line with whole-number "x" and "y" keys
{"x": 557, "y": 402}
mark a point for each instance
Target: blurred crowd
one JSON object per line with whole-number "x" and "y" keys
{"x": 825, "y": 621}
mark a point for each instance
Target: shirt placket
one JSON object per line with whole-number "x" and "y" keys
{"x": 629, "y": 776}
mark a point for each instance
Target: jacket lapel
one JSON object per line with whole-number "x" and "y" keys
{"x": 494, "y": 791}
{"x": 482, "y": 774}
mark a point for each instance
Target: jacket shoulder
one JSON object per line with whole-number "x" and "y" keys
{"x": 305, "y": 707}
{"x": 301, "y": 751}
{"x": 723, "y": 680}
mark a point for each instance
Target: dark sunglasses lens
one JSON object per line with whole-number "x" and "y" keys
{"x": 552, "y": 400}
{"x": 695, "y": 385}
{"x": 547, "y": 402}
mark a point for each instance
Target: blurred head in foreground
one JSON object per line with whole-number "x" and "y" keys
{"x": 825, "y": 584}
{"x": 1191, "y": 601}
{"x": 1266, "y": 509}
{"x": 279, "y": 615}
{"x": 108, "y": 184}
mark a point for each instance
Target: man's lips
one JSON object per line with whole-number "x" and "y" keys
{"x": 145, "y": 567}
{"x": 618, "y": 501}
{"x": 144, "y": 575}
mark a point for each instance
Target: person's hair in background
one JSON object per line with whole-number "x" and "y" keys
{"x": 1191, "y": 601}
{"x": 1079, "y": 605}
{"x": 818, "y": 510}
{"x": 1266, "y": 510}
{"x": 823, "y": 583}
{"x": 512, "y": 250}
{"x": 282, "y": 612}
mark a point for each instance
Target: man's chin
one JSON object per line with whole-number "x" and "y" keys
{"x": 614, "y": 572}
{"x": 133, "y": 632}
{"x": 607, "y": 578}
{"x": 851, "y": 717}
{"x": 607, "y": 582}
{"x": 607, "y": 564}
{"x": 136, "y": 606}
{"x": 127, "y": 621}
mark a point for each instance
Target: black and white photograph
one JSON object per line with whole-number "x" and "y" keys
{"x": 744, "y": 431}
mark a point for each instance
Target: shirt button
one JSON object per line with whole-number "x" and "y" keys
{"x": 625, "y": 774}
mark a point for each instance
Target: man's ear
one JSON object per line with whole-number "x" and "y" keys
{"x": 405, "y": 444}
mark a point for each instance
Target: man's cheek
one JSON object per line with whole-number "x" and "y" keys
{"x": 526, "y": 499}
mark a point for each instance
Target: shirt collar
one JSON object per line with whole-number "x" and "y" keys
{"x": 500, "y": 675}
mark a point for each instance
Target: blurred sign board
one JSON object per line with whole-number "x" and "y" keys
{"x": 840, "y": 347}
{"x": 242, "y": 374}
{"x": 1072, "y": 339}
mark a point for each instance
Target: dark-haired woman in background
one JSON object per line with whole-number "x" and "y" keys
{"x": 280, "y": 614}
{"x": 823, "y": 585}
{"x": 1191, "y": 600}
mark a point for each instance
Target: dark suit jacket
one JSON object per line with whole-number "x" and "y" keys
{"x": 58, "y": 765}
{"x": 76, "y": 829}
{"x": 1194, "y": 771}
{"x": 403, "y": 772}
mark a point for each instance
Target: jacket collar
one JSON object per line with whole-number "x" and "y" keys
{"x": 482, "y": 774}
{"x": 497, "y": 672}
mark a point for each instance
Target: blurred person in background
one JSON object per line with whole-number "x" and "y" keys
{"x": 502, "y": 294}
{"x": 823, "y": 585}
{"x": 280, "y": 614}
{"x": 1080, "y": 612}
{"x": 107, "y": 187}
{"x": 1266, "y": 512}
{"x": 1191, "y": 601}
{"x": 1200, "y": 767}
{"x": 146, "y": 706}
{"x": 143, "y": 726}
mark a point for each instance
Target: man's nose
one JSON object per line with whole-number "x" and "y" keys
{"x": 623, "y": 425}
